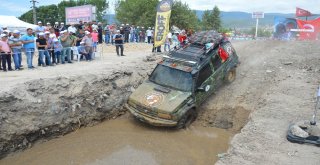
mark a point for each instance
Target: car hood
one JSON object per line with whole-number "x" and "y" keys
{"x": 156, "y": 97}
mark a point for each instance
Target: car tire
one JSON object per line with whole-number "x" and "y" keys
{"x": 231, "y": 76}
{"x": 187, "y": 119}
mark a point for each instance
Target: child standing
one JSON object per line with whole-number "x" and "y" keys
{"x": 57, "y": 50}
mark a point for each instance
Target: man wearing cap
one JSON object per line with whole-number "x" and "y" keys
{"x": 66, "y": 42}
{"x": 62, "y": 27}
{"x": 48, "y": 27}
{"x": 28, "y": 45}
{"x": 16, "y": 44}
{"x": 40, "y": 28}
{"x": 42, "y": 45}
{"x": 126, "y": 33}
{"x": 118, "y": 40}
{"x": 5, "y": 53}
{"x": 56, "y": 28}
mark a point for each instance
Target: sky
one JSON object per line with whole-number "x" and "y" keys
{"x": 18, "y": 7}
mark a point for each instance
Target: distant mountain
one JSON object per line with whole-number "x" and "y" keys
{"x": 244, "y": 20}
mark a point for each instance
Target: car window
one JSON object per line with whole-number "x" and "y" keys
{"x": 216, "y": 62}
{"x": 204, "y": 74}
{"x": 174, "y": 78}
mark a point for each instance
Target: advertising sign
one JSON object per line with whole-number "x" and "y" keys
{"x": 258, "y": 15}
{"x": 84, "y": 13}
{"x": 162, "y": 22}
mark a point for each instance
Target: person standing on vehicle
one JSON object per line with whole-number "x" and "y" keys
{"x": 118, "y": 40}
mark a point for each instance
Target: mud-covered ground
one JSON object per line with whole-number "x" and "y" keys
{"x": 276, "y": 84}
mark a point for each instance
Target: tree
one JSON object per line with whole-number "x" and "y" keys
{"x": 215, "y": 18}
{"x": 211, "y": 19}
{"x": 143, "y": 13}
{"x": 56, "y": 13}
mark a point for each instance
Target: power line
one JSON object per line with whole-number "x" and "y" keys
{"x": 34, "y": 10}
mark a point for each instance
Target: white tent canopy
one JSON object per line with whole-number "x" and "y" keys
{"x": 13, "y": 23}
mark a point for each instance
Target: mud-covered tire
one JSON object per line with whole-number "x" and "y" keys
{"x": 187, "y": 119}
{"x": 230, "y": 76}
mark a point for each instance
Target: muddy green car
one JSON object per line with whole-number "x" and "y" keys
{"x": 181, "y": 83}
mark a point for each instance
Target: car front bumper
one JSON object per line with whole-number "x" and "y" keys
{"x": 155, "y": 121}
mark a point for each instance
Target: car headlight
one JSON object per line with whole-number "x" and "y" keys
{"x": 164, "y": 116}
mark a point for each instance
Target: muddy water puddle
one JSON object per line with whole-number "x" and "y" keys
{"x": 126, "y": 141}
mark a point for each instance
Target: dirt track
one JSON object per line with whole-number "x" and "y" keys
{"x": 276, "y": 82}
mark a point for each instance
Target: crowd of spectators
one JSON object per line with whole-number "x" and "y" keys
{"x": 57, "y": 44}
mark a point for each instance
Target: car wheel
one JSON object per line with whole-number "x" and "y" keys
{"x": 187, "y": 119}
{"x": 231, "y": 76}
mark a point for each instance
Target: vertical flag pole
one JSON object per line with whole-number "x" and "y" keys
{"x": 257, "y": 25}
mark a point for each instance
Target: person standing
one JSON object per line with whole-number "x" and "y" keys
{"x": 168, "y": 42}
{"x": 16, "y": 45}
{"x": 28, "y": 45}
{"x": 107, "y": 34}
{"x": 143, "y": 35}
{"x": 137, "y": 34}
{"x": 56, "y": 28}
{"x": 132, "y": 33}
{"x": 57, "y": 50}
{"x": 40, "y": 28}
{"x": 5, "y": 53}
{"x": 100, "y": 29}
{"x": 126, "y": 33}
{"x": 149, "y": 35}
{"x": 95, "y": 38}
{"x": 42, "y": 45}
{"x": 66, "y": 42}
{"x": 50, "y": 37}
{"x": 118, "y": 40}
{"x": 62, "y": 27}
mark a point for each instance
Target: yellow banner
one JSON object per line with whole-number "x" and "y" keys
{"x": 162, "y": 22}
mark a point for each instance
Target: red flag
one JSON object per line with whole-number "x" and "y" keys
{"x": 302, "y": 13}
{"x": 309, "y": 30}
{"x": 223, "y": 54}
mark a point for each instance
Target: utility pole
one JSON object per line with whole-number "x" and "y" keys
{"x": 34, "y": 11}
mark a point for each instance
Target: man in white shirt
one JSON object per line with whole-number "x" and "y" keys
{"x": 72, "y": 29}
{"x": 149, "y": 35}
{"x": 40, "y": 28}
{"x": 168, "y": 42}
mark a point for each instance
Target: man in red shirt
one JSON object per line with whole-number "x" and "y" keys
{"x": 5, "y": 53}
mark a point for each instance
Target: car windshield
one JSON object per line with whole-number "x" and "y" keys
{"x": 171, "y": 77}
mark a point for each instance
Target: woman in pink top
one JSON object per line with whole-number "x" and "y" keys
{"x": 5, "y": 53}
{"x": 94, "y": 35}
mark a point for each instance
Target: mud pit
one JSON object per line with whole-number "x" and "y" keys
{"x": 127, "y": 141}
{"x": 275, "y": 84}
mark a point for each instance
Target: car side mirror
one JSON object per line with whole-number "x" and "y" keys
{"x": 204, "y": 88}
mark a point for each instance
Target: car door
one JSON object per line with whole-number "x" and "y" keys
{"x": 218, "y": 71}
{"x": 203, "y": 85}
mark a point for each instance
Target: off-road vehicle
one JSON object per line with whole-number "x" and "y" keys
{"x": 183, "y": 80}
